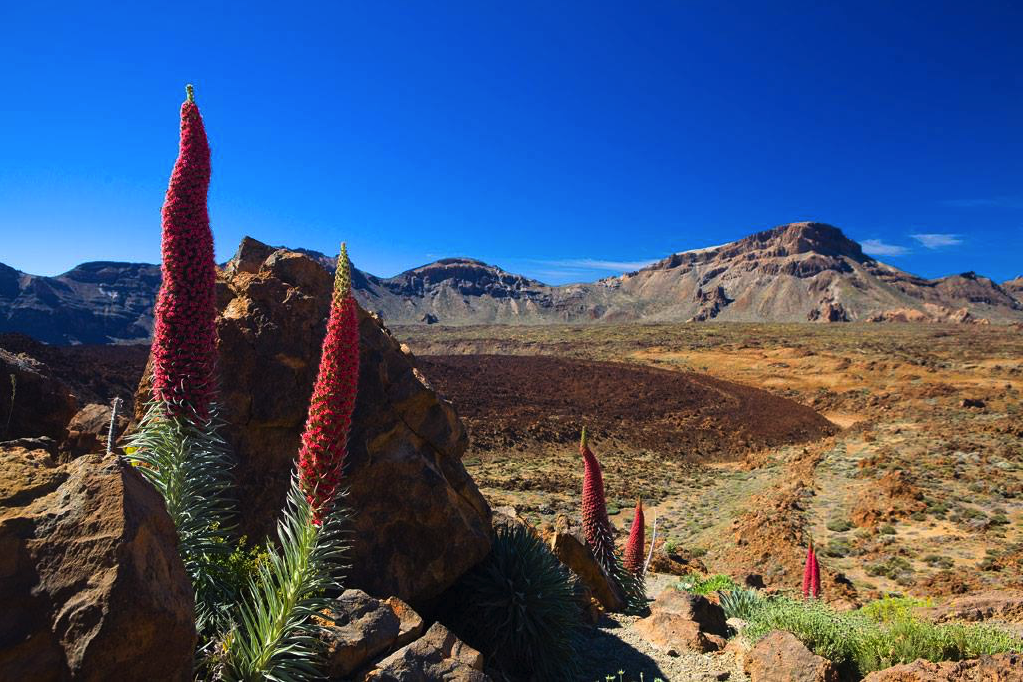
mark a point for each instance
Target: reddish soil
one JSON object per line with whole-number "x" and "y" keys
{"x": 511, "y": 399}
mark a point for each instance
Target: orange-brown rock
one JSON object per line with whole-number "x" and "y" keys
{"x": 91, "y": 584}
{"x": 568, "y": 545}
{"x": 88, "y": 429}
{"x": 780, "y": 657}
{"x": 997, "y": 668}
{"x": 680, "y": 621}
{"x": 437, "y": 655}
{"x": 421, "y": 520}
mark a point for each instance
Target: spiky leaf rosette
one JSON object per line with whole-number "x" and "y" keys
{"x": 276, "y": 637}
{"x": 636, "y": 543}
{"x": 325, "y": 440}
{"x": 186, "y": 459}
{"x": 519, "y": 606}
{"x": 184, "y": 331}
{"x": 600, "y": 538}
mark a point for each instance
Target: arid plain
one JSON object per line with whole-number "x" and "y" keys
{"x": 914, "y": 484}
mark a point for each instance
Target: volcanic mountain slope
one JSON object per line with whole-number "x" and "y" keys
{"x": 1014, "y": 287}
{"x": 792, "y": 273}
{"x": 98, "y": 302}
{"x": 803, "y": 272}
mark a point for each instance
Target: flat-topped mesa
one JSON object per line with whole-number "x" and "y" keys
{"x": 778, "y": 242}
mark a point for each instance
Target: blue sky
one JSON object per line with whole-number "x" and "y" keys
{"x": 565, "y": 141}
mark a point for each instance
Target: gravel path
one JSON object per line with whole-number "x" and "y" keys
{"x": 615, "y": 645}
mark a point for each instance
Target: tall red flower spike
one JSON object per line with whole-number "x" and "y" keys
{"x": 815, "y": 578}
{"x": 184, "y": 332}
{"x": 635, "y": 545}
{"x": 325, "y": 440}
{"x": 596, "y": 525}
{"x": 807, "y": 572}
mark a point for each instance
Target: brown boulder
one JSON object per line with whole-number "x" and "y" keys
{"x": 780, "y": 657}
{"x": 997, "y": 605}
{"x": 997, "y": 668}
{"x": 42, "y": 404}
{"x": 437, "y": 655}
{"x": 569, "y": 546}
{"x": 421, "y": 521}
{"x": 88, "y": 430}
{"x": 91, "y": 583}
{"x": 680, "y": 621}
{"x": 357, "y": 628}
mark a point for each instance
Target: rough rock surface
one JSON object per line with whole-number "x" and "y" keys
{"x": 360, "y": 627}
{"x": 568, "y": 545}
{"x": 421, "y": 521}
{"x": 997, "y": 668}
{"x": 42, "y": 404}
{"x": 680, "y": 621}
{"x": 91, "y": 584}
{"x": 894, "y": 496}
{"x": 780, "y": 657}
{"x": 88, "y": 429}
{"x": 437, "y": 655}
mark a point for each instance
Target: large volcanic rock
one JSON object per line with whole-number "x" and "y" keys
{"x": 91, "y": 585}
{"x": 420, "y": 522}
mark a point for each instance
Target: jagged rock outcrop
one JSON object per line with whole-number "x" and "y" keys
{"x": 421, "y": 521}
{"x": 91, "y": 583}
{"x": 88, "y": 430}
{"x": 1014, "y": 287}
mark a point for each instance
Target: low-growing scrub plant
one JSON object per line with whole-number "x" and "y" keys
{"x": 875, "y": 637}
{"x": 839, "y": 525}
{"x": 520, "y": 607}
{"x": 695, "y": 584}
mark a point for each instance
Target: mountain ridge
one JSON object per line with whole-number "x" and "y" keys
{"x": 805, "y": 271}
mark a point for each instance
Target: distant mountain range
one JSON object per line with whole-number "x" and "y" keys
{"x": 801, "y": 272}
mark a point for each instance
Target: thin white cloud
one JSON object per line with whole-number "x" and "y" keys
{"x": 937, "y": 241}
{"x": 876, "y": 247}
{"x": 597, "y": 264}
{"x": 993, "y": 202}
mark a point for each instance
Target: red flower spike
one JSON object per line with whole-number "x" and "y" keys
{"x": 596, "y": 525}
{"x": 808, "y": 571}
{"x": 815, "y": 578}
{"x": 325, "y": 440}
{"x": 184, "y": 332}
{"x": 634, "y": 547}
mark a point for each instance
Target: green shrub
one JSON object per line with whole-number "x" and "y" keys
{"x": 839, "y": 525}
{"x": 695, "y": 584}
{"x": 838, "y": 548}
{"x": 519, "y": 607}
{"x": 890, "y": 608}
{"x": 886, "y": 529}
{"x": 879, "y": 635}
